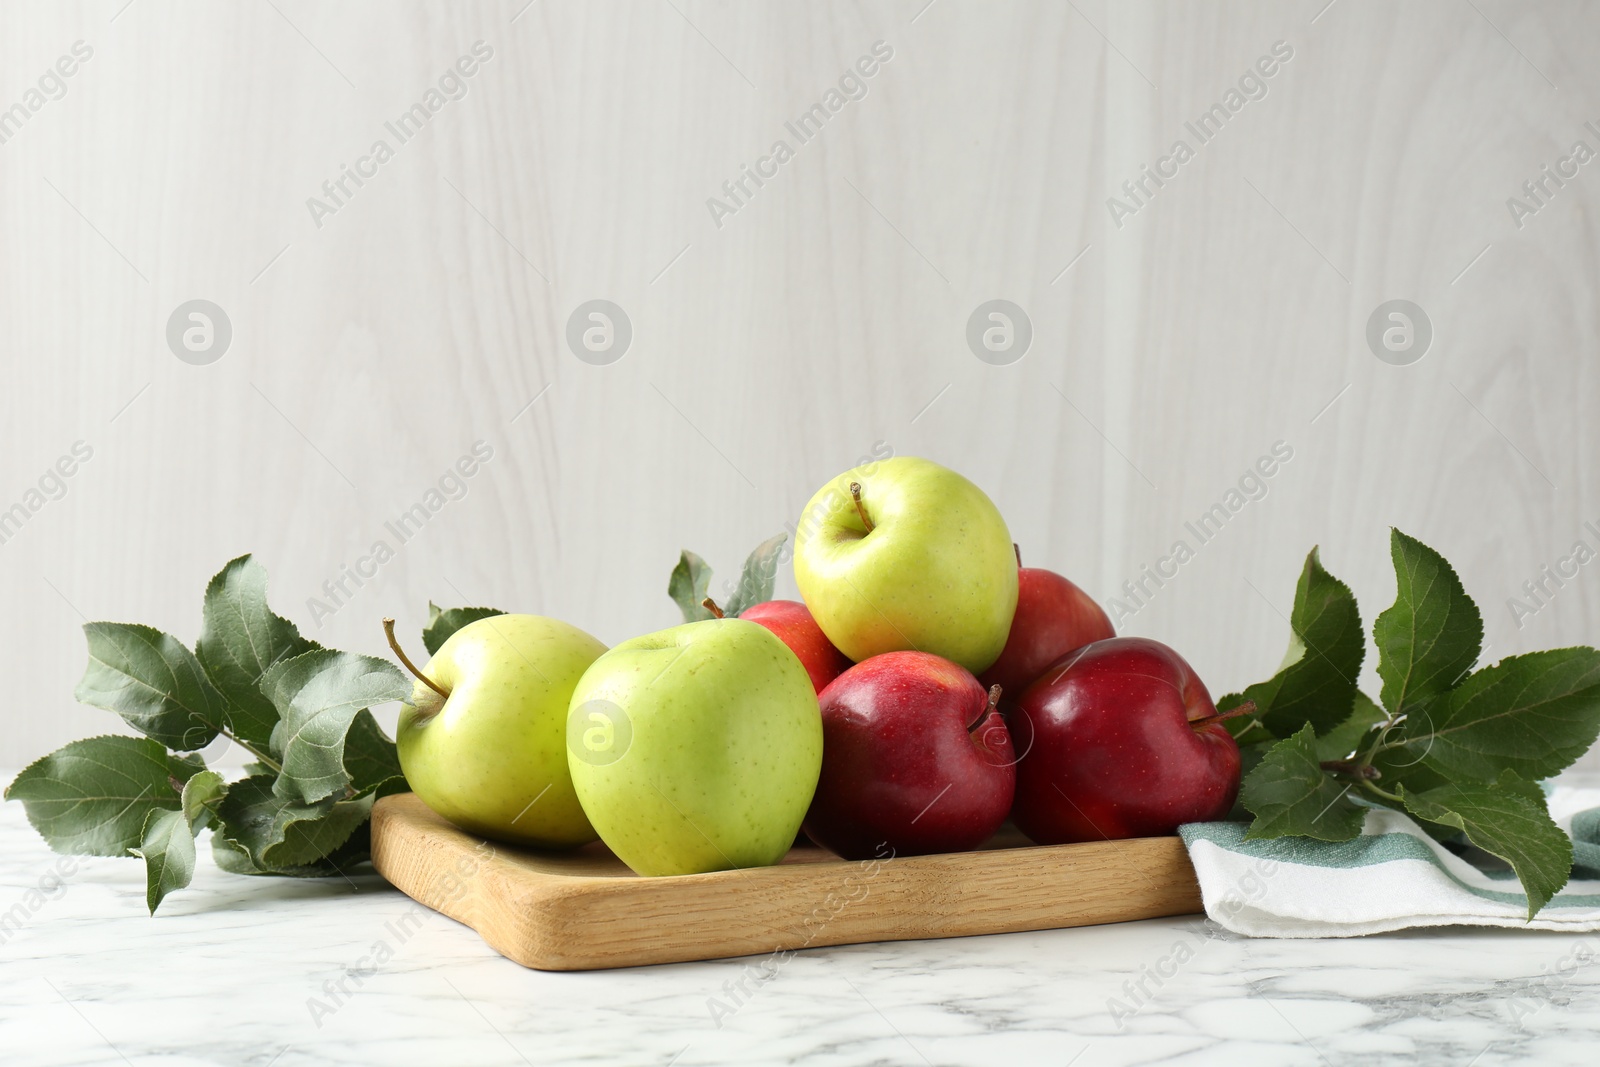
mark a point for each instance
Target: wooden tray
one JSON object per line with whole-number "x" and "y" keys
{"x": 584, "y": 910}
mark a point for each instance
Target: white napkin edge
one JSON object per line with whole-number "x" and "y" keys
{"x": 1264, "y": 898}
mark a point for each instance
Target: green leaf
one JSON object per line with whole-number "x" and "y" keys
{"x": 1250, "y": 756}
{"x": 1290, "y": 794}
{"x": 185, "y": 766}
{"x": 1317, "y": 682}
{"x": 758, "y": 577}
{"x": 1343, "y": 740}
{"x": 443, "y": 623}
{"x": 389, "y": 787}
{"x": 318, "y": 695}
{"x": 1401, "y": 764}
{"x": 153, "y": 682}
{"x": 232, "y": 857}
{"x": 167, "y": 848}
{"x": 264, "y": 833}
{"x": 1508, "y": 819}
{"x": 356, "y": 849}
{"x": 240, "y": 637}
{"x": 92, "y": 797}
{"x": 167, "y": 841}
{"x": 1431, "y": 636}
{"x": 202, "y": 795}
{"x": 306, "y": 841}
{"x": 370, "y": 758}
{"x": 1534, "y": 714}
{"x": 687, "y": 586}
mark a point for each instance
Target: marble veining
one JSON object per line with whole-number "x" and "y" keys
{"x": 242, "y": 971}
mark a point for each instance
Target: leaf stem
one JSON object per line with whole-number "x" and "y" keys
{"x": 1379, "y": 791}
{"x": 1380, "y": 745}
{"x": 1253, "y": 724}
{"x": 248, "y": 747}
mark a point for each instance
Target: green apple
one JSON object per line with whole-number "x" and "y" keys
{"x": 492, "y": 756}
{"x": 919, "y": 559}
{"x": 696, "y": 748}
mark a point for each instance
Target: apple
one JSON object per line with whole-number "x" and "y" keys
{"x": 490, "y": 753}
{"x": 1120, "y": 739}
{"x": 791, "y": 621}
{"x": 1053, "y": 617}
{"x": 696, "y": 748}
{"x": 915, "y": 758}
{"x": 903, "y": 554}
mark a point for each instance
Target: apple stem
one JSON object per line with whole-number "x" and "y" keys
{"x": 861, "y": 509}
{"x": 1018, "y": 550}
{"x": 394, "y": 643}
{"x": 1247, "y": 708}
{"x": 711, "y": 606}
{"x": 988, "y": 709}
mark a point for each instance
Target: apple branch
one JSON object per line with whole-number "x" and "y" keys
{"x": 1365, "y": 771}
{"x": 394, "y": 643}
{"x": 711, "y": 606}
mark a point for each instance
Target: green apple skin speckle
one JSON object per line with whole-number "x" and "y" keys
{"x": 937, "y": 572}
{"x": 493, "y": 757}
{"x": 724, "y": 748}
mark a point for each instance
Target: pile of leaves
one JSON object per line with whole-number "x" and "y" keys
{"x": 319, "y": 758}
{"x": 1460, "y": 750}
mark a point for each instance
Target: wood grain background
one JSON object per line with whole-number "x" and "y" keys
{"x": 827, "y": 315}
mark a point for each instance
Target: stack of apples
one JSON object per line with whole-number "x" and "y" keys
{"x": 928, "y": 689}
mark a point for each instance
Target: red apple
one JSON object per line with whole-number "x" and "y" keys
{"x": 1053, "y": 617}
{"x": 792, "y": 622}
{"x": 914, "y": 757}
{"x": 1120, "y": 739}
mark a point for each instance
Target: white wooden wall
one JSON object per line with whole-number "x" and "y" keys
{"x": 827, "y": 314}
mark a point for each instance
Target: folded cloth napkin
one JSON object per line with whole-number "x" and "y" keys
{"x": 1392, "y": 877}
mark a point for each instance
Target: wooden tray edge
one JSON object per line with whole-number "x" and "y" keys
{"x": 575, "y": 922}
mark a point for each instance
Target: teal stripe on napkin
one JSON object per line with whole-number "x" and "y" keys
{"x": 1370, "y": 849}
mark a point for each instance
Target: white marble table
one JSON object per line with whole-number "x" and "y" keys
{"x": 227, "y": 973}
